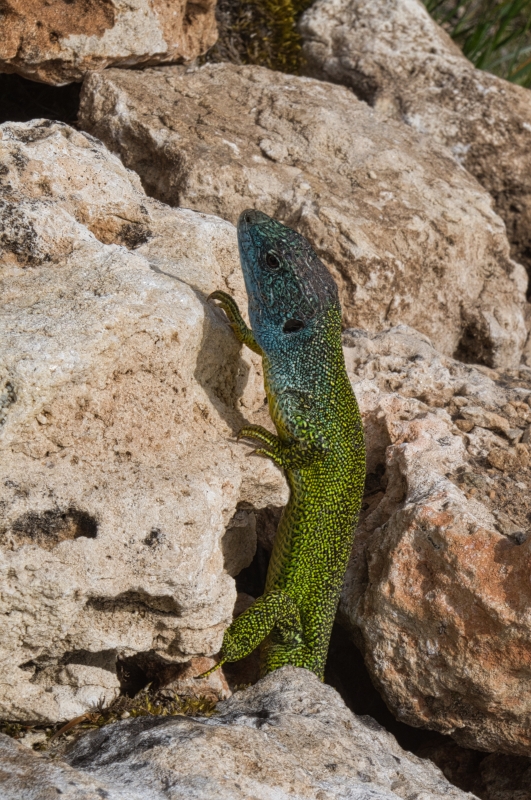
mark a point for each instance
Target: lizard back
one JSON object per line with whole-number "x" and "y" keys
{"x": 296, "y": 328}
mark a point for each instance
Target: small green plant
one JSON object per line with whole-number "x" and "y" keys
{"x": 262, "y": 32}
{"x": 494, "y": 34}
{"x": 145, "y": 703}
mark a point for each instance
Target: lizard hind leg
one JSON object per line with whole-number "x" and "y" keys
{"x": 248, "y": 631}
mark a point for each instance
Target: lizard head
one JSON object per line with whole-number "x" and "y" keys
{"x": 287, "y": 285}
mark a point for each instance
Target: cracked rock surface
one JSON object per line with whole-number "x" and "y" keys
{"x": 287, "y": 737}
{"x": 396, "y": 58}
{"x": 402, "y": 227}
{"x": 120, "y": 393}
{"x": 59, "y": 42}
{"x": 26, "y": 776}
{"x": 437, "y": 592}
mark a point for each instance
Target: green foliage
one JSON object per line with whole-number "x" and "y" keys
{"x": 494, "y": 34}
{"x": 145, "y": 703}
{"x": 260, "y": 32}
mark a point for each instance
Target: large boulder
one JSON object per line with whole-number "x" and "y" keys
{"x": 120, "y": 394}
{"x": 287, "y": 737}
{"x": 437, "y": 593}
{"x": 59, "y": 41}
{"x": 396, "y": 58}
{"x": 408, "y": 234}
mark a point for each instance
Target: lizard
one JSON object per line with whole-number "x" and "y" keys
{"x": 295, "y": 318}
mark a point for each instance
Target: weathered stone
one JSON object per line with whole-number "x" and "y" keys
{"x": 59, "y": 41}
{"x": 183, "y": 680}
{"x": 121, "y": 391}
{"x": 289, "y": 736}
{"x": 409, "y": 236}
{"x": 437, "y": 592}
{"x": 27, "y": 776}
{"x": 394, "y": 56}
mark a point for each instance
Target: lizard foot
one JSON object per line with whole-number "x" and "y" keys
{"x": 243, "y": 333}
{"x": 257, "y": 432}
{"x": 273, "y": 448}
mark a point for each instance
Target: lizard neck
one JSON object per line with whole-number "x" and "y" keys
{"x": 310, "y": 361}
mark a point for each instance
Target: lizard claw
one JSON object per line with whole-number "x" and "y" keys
{"x": 263, "y": 451}
{"x": 257, "y": 432}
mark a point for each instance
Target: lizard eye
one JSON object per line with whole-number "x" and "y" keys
{"x": 272, "y": 261}
{"x": 293, "y": 325}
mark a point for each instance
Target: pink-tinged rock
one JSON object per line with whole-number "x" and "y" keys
{"x": 438, "y": 592}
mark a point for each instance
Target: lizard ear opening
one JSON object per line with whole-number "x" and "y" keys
{"x": 293, "y": 325}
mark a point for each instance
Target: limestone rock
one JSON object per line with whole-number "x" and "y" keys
{"x": 27, "y": 776}
{"x": 120, "y": 394}
{"x": 437, "y": 591}
{"x": 394, "y": 56}
{"x": 59, "y": 41}
{"x": 289, "y": 736}
{"x": 183, "y": 680}
{"x": 409, "y": 236}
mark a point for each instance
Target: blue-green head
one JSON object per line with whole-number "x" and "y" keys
{"x": 288, "y": 287}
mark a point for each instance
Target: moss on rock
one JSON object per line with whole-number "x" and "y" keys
{"x": 260, "y": 32}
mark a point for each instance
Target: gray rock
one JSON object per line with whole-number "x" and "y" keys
{"x": 24, "y": 775}
{"x": 289, "y": 736}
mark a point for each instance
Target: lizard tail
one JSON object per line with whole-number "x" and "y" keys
{"x": 211, "y": 670}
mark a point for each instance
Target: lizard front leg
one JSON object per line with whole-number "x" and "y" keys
{"x": 293, "y": 453}
{"x": 273, "y": 445}
{"x": 277, "y": 610}
{"x": 243, "y": 333}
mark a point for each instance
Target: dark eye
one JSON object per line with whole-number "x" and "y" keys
{"x": 292, "y": 326}
{"x": 272, "y": 261}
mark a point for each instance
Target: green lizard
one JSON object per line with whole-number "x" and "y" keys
{"x": 296, "y": 328}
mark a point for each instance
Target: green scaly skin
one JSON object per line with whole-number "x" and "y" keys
{"x": 319, "y": 445}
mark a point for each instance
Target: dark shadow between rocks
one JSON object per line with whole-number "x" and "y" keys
{"x": 347, "y": 673}
{"x": 135, "y": 672}
{"x": 475, "y": 345}
{"x": 23, "y": 100}
{"x": 146, "y": 669}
